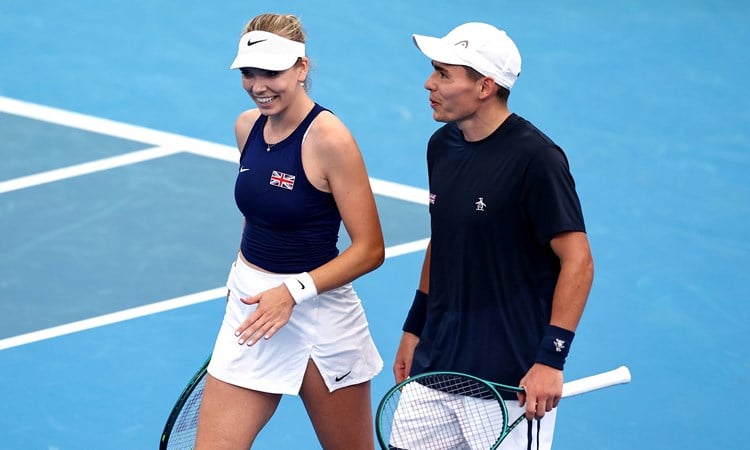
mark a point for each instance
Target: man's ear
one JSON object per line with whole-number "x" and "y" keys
{"x": 487, "y": 88}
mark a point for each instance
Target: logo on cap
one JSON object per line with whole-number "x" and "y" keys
{"x": 464, "y": 43}
{"x": 250, "y": 42}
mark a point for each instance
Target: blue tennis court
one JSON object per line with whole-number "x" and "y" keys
{"x": 118, "y": 221}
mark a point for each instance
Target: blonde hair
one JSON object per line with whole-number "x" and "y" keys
{"x": 284, "y": 25}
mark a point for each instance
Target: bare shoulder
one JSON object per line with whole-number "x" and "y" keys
{"x": 243, "y": 125}
{"x": 329, "y": 134}
{"x": 246, "y": 119}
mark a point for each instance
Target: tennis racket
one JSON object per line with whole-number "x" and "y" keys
{"x": 440, "y": 410}
{"x": 179, "y": 432}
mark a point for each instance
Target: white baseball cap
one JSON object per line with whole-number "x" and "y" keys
{"x": 268, "y": 51}
{"x": 482, "y": 47}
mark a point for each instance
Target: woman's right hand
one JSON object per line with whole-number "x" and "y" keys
{"x": 273, "y": 312}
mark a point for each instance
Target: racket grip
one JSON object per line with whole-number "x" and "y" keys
{"x": 620, "y": 375}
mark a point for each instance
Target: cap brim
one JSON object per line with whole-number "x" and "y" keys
{"x": 437, "y": 50}
{"x": 264, "y": 61}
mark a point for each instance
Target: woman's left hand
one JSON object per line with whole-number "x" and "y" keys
{"x": 273, "y": 312}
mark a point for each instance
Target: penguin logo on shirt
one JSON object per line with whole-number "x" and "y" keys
{"x": 480, "y": 204}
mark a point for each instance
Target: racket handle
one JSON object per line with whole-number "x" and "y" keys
{"x": 620, "y": 375}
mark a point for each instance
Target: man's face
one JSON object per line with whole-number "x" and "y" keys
{"x": 454, "y": 95}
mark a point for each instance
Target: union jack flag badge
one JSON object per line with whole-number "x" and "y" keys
{"x": 282, "y": 180}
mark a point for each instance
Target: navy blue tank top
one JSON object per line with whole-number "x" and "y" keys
{"x": 291, "y": 226}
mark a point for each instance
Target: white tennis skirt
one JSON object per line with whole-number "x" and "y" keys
{"x": 331, "y": 329}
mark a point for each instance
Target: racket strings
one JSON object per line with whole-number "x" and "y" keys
{"x": 443, "y": 412}
{"x": 182, "y": 436}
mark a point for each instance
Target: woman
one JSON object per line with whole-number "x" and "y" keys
{"x": 293, "y": 323}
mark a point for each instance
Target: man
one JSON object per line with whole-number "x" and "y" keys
{"x": 508, "y": 269}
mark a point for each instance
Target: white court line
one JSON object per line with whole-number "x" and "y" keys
{"x": 400, "y": 191}
{"x": 158, "y": 307}
{"x": 166, "y": 144}
{"x": 409, "y": 247}
{"x": 115, "y": 129}
{"x": 111, "y": 318}
{"x": 170, "y": 140}
{"x": 85, "y": 168}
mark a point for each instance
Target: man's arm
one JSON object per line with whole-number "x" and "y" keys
{"x": 414, "y": 323}
{"x": 543, "y": 383}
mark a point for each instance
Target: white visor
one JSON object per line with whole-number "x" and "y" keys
{"x": 268, "y": 51}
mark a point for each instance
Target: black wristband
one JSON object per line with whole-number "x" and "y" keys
{"x": 417, "y": 314}
{"x": 554, "y": 347}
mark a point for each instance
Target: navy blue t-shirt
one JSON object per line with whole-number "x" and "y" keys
{"x": 495, "y": 205}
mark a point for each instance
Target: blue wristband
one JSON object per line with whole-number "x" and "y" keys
{"x": 554, "y": 347}
{"x": 415, "y": 320}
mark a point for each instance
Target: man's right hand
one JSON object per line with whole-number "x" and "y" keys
{"x": 404, "y": 356}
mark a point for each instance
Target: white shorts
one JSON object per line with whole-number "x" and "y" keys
{"x": 456, "y": 429}
{"x": 331, "y": 329}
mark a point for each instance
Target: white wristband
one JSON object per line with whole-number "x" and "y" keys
{"x": 301, "y": 287}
